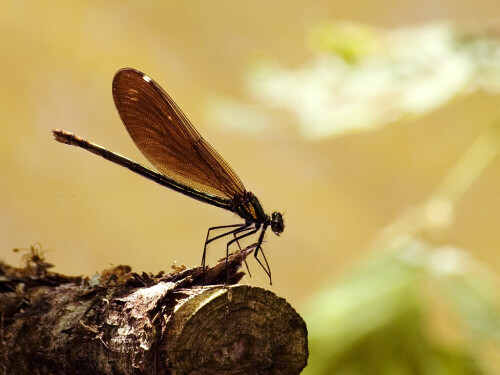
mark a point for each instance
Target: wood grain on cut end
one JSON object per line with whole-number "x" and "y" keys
{"x": 237, "y": 330}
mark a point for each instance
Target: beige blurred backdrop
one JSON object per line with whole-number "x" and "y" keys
{"x": 57, "y": 63}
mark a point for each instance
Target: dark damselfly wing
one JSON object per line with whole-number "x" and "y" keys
{"x": 168, "y": 139}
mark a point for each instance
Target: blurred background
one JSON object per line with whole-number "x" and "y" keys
{"x": 373, "y": 124}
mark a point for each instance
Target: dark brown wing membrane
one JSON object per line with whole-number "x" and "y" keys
{"x": 168, "y": 139}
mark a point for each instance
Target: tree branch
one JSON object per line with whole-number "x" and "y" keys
{"x": 125, "y": 323}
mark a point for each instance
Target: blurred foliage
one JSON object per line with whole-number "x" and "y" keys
{"x": 363, "y": 78}
{"x": 376, "y": 321}
{"x": 379, "y": 319}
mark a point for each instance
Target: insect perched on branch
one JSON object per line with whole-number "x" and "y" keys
{"x": 185, "y": 161}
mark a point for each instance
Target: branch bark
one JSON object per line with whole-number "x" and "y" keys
{"x": 125, "y": 323}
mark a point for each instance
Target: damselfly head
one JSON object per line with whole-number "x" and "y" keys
{"x": 277, "y": 223}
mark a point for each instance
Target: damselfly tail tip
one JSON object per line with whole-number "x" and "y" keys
{"x": 61, "y": 136}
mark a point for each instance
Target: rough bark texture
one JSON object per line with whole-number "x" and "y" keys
{"x": 125, "y": 323}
